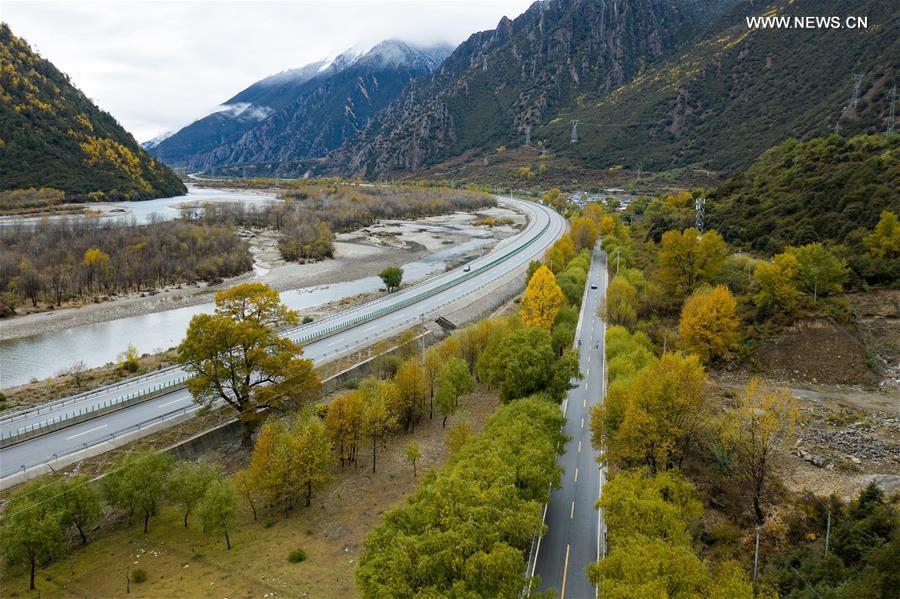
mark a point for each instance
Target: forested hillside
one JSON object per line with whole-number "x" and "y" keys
{"x": 829, "y": 189}
{"x": 652, "y": 84}
{"x": 52, "y": 135}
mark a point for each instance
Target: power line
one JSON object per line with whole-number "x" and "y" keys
{"x": 857, "y": 83}
{"x": 890, "y": 125}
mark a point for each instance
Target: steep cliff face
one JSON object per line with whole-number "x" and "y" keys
{"x": 522, "y": 74}
{"x": 304, "y": 119}
{"x": 52, "y": 135}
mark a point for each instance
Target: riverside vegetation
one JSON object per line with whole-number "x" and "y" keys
{"x": 53, "y": 262}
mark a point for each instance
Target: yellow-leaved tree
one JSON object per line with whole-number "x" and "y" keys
{"x": 756, "y": 434}
{"x": 709, "y": 326}
{"x": 688, "y": 259}
{"x": 884, "y": 241}
{"x": 542, "y": 300}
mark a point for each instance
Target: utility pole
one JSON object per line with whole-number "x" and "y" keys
{"x": 827, "y": 531}
{"x": 890, "y": 124}
{"x": 574, "y": 131}
{"x": 699, "y": 206}
{"x": 756, "y": 557}
{"x": 857, "y": 83}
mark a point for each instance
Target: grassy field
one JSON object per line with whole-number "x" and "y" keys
{"x": 184, "y": 563}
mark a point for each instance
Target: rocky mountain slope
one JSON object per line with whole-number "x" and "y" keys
{"x": 307, "y": 119}
{"x": 236, "y": 116}
{"x": 52, "y": 135}
{"x": 523, "y": 74}
{"x": 653, "y": 83}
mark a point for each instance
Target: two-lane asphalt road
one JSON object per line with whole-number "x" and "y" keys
{"x": 576, "y": 534}
{"x": 393, "y": 313}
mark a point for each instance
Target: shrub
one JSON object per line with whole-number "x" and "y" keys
{"x": 296, "y": 556}
{"x": 138, "y": 575}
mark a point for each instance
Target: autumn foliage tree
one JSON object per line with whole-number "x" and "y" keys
{"x": 542, "y": 300}
{"x": 235, "y": 355}
{"x": 688, "y": 259}
{"x": 755, "y": 433}
{"x": 655, "y": 418}
{"x": 709, "y": 325}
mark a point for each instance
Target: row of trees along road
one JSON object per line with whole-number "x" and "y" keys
{"x": 659, "y": 422}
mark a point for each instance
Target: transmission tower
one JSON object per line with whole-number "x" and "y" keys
{"x": 837, "y": 127}
{"x": 574, "y": 131}
{"x": 699, "y": 206}
{"x": 484, "y": 65}
{"x": 527, "y": 135}
{"x": 857, "y": 83}
{"x": 890, "y": 124}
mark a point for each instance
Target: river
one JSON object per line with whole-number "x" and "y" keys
{"x": 44, "y": 355}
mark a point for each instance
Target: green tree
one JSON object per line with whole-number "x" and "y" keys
{"x": 661, "y": 506}
{"x": 778, "y": 284}
{"x": 820, "y": 271}
{"x": 218, "y": 509}
{"x": 235, "y": 355}
{"x": 392, "y": 276}
{"x": 137, "y": 481}
{"x": 621, "y": 306}
{"x": 454, "y": 380}
{"x": 641, "y": 566}
{"x": 33, "y": 531}
{"x": 79, "y": 502}
{"x": 187, "y": 483}
{"x": 413, "y": 453}
{"x": 128, "y": 361}
{"x": 518, "y": 364}
{"x": 458, "y": 435}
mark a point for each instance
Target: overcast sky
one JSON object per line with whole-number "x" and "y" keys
{"x": 157, "y": 66}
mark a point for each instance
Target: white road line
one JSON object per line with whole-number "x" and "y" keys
{"x": 582, "y": 423}
{"x": 579, "y": 447}
{"x": 572, "y": 513}
{"x": 371, "y": 328}
{"x": 86, "y": 432}
{"x": 576, "y": 475}
{"x": 169, "y": 403}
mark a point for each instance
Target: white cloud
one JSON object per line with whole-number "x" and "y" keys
{"x": 157, "y": 66}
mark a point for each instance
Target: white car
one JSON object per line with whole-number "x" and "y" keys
{"x": 467, "y": 268}
{"x": 593, "y": 285}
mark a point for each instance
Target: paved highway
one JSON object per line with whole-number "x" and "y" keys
{"x": 378, "y": 319}
{"x": 575, "y": 533}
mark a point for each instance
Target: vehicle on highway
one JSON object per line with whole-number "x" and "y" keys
{"x": 593, "y": 285}
{"x": 467, "y": 268}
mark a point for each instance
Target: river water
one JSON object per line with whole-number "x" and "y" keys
{"x": 44, "y": 355}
